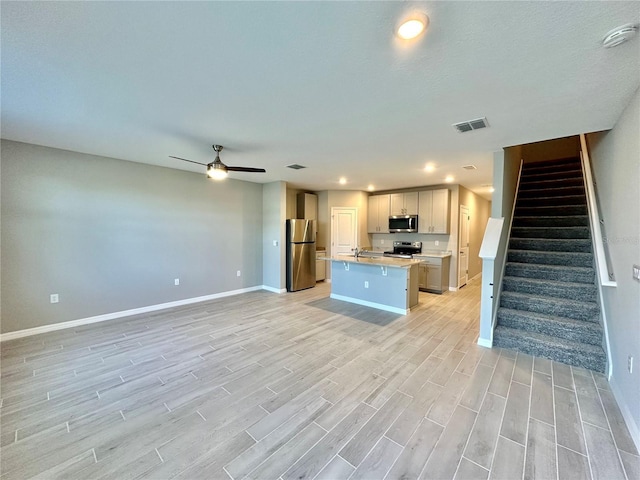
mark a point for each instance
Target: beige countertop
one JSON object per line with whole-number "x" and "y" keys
{"x": 378, "y": 261}
{"x": 433, "y": 254}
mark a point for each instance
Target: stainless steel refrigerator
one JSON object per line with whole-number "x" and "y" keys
{"x": 301, "y": 254}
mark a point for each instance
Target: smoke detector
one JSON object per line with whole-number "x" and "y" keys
{"x": 619, "y": 35}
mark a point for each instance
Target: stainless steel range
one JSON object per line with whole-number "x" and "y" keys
{"x": 404, "y": 249}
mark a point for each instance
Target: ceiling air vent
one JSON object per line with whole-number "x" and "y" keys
{"x": 295, "y": 166}
{"x": 470, "y": 167}
{"x": 471, "y": 125}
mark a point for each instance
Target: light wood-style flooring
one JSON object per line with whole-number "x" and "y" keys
{"x": 299, "y": 386}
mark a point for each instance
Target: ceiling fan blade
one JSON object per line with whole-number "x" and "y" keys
{"x": 246, "y": 169}
{"x": 185, "y": 160}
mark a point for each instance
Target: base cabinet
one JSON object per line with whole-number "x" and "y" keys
{"x": 433, "y": 274}
{"x": 321, "y": 267}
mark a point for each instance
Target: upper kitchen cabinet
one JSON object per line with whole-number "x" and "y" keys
{"x": 378, "y": 214}
{"x": 404, "y": 203}
{"x": 434, "y": 213}
{"x": 308, "y": 207}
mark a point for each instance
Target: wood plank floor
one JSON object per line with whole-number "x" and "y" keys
{"x": 299, "y": 386}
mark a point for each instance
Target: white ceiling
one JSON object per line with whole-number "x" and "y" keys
{"x": 323, "y": 84}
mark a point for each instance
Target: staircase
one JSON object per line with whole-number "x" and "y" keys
{"x": 549, "y": 302}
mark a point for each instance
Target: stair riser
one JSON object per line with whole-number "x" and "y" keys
{"x": 537, "y": 176}
{"x": 551, "y": 192}
{"x": 559, "y": 222}
{"x": 551, "y": 258}
{"x": 559, "y": 201}
{"x": 591, "y": 362}
{"x": 551, "y": 211}
{"x": 551, "y": 245}
{"x": 539, "y": 272}
{"x": 590, "y": 333}
{"x": 589, "y": 312}
{"x": 565, "y": 182}
{"x": 584, "y": 292}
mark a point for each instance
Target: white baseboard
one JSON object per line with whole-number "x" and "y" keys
{"x": 274, "y": 290}
{"x": 365, "y": 303}
{"x": 634, "y": 429}
{"x": 485, "y": 342}
{"x": 453, "y": 289}
{"x": 476, "y": 276}
{"x": 124, "y": 313}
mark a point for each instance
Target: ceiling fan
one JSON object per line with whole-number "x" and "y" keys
{"x": 218, "y": 170}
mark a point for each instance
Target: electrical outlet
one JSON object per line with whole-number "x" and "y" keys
{"x": 630, "y": 363}
{"x": 275, "y": 243}
{"x": 54, "y": 298}
{"x": 437, "y": 243}
{"x": 366, "y": 284}
{"x": 238, "y": 273}
{"x": 176, "y": 281}
{"x": 381, "y": 242}
{"x": 636, "y": 272}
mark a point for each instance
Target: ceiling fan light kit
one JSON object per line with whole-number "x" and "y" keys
{"x": 218, "y": 170}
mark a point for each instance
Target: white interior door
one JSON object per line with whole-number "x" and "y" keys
{"x": 463, "y": 244}
{"x": 344, "y": 230}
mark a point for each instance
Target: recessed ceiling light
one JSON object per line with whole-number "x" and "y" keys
{"x": 342, "y": 181}
{"x": 413, "y": 26}
{"x": 429, "y": 167}
{"x": 449, "y": 179}
{"x": 370, "y": 188}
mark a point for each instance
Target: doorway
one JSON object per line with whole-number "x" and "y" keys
{"x": 463, "y": 244}
{"x": 344, "y": 230}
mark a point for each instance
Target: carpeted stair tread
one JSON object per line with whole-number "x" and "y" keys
{"x": 551, "y": 288}
{"x": 552, "y": 201}
{"x": 569, "y": 233}
{"x": 551, "y": 244}
{"x": 535, "y": 176}
{"x": 551, "y": 210}
{"x": 561, "y": 327}
{"x": 569, "y": 259}
{"x": 561, "y": 182}
{"x": 578, "y": 354}
{"x": 559, "y": 307}
{"x": 551, "y": 272}
{"x": 559, "y": 191}
{"x": 552, "y": 221}
{"x": 555, "y": 163}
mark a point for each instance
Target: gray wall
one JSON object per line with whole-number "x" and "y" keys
{"x": 274, "y": 200}
{"x": 109, "y": 235}
{"x": 616, "y": 163}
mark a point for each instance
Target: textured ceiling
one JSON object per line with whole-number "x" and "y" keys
{"x": 322, "y": 84}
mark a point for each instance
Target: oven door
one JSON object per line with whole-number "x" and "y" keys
{"x": 403, "y": 223}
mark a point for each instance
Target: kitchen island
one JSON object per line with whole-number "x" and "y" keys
{"x": 385, "y": 283}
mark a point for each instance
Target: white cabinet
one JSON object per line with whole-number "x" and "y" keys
{"x": 378, "y": 214}
{"x": 434, "y": 274}
{"x": 404, "y": 203}
{"x": 434, "y": 211}
{"x": 321, "y": 266}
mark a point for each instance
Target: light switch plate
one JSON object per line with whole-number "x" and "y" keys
{"x": 636, "y": 272}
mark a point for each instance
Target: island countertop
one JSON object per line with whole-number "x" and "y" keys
{"x": 377, "y": 261}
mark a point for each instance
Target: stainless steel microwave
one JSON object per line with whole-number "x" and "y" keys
{"x": 403, "y": 223}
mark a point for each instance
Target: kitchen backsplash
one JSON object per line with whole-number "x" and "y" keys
{"x": 384, "y": 241}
